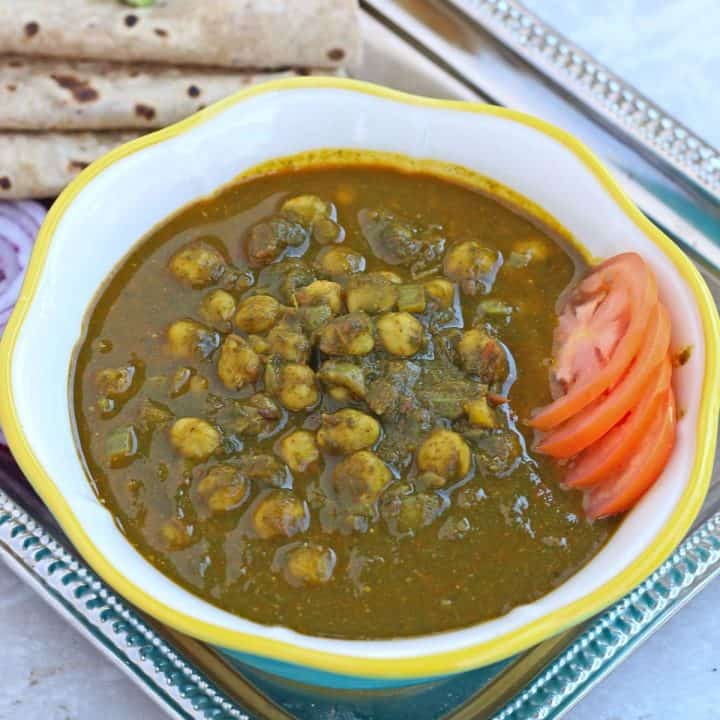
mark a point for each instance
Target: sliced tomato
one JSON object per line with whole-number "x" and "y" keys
{"x": 601, "y": 326}
{"x": 591, "y": 423}
{"x": 587, "y": 335}
{"x": 624, "y": 488}
{"x": 616, "y": 448}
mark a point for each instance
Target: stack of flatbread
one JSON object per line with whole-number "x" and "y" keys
{"x": 78, "y": 77}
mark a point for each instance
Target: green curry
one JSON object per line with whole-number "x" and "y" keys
{"x": 303, "y": 399}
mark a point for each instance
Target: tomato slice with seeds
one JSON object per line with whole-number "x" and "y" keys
{"x": 600, "y": 330}
{"x": 617, "y": 447}
{"x": 591, "y": 423}
{"x": 624, "y": 488}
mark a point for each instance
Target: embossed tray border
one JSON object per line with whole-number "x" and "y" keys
{"x": 73, "y": 588}
{"x": 664, "y": 139}
{"x": 615, "y": 633}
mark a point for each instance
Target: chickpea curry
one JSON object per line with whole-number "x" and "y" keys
{"x": 306, "y": 400}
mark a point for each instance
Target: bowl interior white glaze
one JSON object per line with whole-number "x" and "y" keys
{"x": 122, "y": 203}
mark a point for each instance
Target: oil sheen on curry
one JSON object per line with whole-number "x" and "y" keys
{"x": 305, "y": 399}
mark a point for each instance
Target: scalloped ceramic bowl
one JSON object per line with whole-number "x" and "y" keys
{"x": 119, "y": 198}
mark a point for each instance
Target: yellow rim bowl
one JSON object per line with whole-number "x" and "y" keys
{"x": 430, "y": 662}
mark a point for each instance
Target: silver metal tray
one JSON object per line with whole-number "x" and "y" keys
{"x": 488, "y": 50}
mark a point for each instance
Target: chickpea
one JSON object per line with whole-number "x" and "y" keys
{"x": 224, "y": 488}
{"x": 346, "y": 431}
{"x": 282, "y": 279}
{"x": 533, "y": 249}
{"x": 441, "y": 291}
{"x": 336, "y": 261}
{"x": 197, "y": 263}
{"x": 299, "y": 451}
{"x": 257, "y": 314}
{"x": 431, "y": 480}
{"x": 400, "y": 333}
{"x": 272, "y": 377}
{"x": 265, "y": 406}
{"x": 307, "y": 209}
{"x": 418, "y": 511}
{"x": 152, "y": 415}
{"x": 472, "y": 265}
{"x": 370, "y": 293}
{"x": 259, "y": 344}
{"x": 194, "y": 439}
{"x": 309, "y": 565}
{"x": 406, "y": 512}
{"x": 326, "y": 231}
{"x": 391, "y": 240}
{"x": 336, "y": 374}
{"x": 288, "y": 341}
{"x": 389, "y": 275}
{"x": 298, "y": 389}
{"x": 480, "y": 413}
{"x": 238, "y": 363}
{"x": 446, "y": 454}
{"x": 115, "y": 382}
{"x": 258, "y": 416}
{"x": 269, "y": 240}
{"x": 265, "y": 468}
{"x": 348, "y": 335}
{"x": 280, "y": 513}
{"x": 217, "y": 307}
{"x": 321, "y": 292}
{"x": 483, "y": 355}
{"x": 360, "y": 478}
{"x": 341, "y": 394}
{"x": 175, "y": 535}
{"x": 314, "y": 317}
{"x": 185, "y": 338}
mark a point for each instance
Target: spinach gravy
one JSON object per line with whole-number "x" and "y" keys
{"x": 304, "y": 399}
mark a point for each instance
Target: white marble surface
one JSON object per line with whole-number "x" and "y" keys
{"x": 670, "y": 50}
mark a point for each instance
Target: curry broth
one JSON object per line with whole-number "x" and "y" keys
{"x": 503, "y": 535}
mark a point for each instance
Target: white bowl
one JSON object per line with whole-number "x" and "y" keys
{"x": 119, "y": 198}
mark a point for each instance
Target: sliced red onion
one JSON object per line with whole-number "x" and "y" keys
{"x": 33, "y": 209}
{"x": 19, "y": 223}
{"x": 20, "y": 218}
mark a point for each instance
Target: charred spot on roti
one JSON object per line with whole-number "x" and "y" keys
{"x": 160, "y": 32}
{"x": 131, "y": 20}
{"x": 336, "y": 54}
{"x": 31, "y": 29}
{"x": 15, "y": 63}
{"x": 5, "y": 183}
{"x": 86, "y": 94}
{"x": 81, "y": 89}
{"x": 77, "y": 165}
{"x": 193, "y": 91}
{"x": 11, "y": 87}
{"x": 144, "y": 111}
